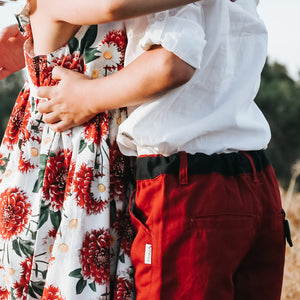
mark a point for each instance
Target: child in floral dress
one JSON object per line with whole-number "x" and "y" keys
{"x": 64, "y": 228}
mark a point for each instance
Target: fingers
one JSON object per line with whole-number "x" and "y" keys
{"x": 44, "y": 107}
{"x": 55, "y": 123}
{"x": 50, "y": 118}
{"x": 59, "y": 126}
{"x": 44, "y": 92}
{"x": 58, "y": 72}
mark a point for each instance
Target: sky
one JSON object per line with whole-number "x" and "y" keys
{"x": 282, "y": 21}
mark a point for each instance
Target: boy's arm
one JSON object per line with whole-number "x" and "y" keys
{"x": 156, "y": 70}
{"x": 77, "y": 99}
{"x": 11, "y": 51}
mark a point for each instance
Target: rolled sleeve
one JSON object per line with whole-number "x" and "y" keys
{"x": 180, "y": 31}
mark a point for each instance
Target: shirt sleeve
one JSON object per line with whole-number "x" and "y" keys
{"x": 179, "y": 30}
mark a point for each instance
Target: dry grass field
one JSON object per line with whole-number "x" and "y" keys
{"x": 291, "y": 282}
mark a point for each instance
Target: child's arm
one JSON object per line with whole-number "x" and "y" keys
{"x": 11, "y": 51}
{"x": 80, "y": 12}
{"x": 77, "y": 99}
{"x": 11, "y": 42}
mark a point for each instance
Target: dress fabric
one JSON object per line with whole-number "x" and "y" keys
{"x": 64, "y": 228}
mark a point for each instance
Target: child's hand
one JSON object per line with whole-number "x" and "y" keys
{"x": 69, "y": 103}
{"x": 11, "y": 51}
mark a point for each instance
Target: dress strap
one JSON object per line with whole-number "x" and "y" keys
{"x": 22, "y": 14}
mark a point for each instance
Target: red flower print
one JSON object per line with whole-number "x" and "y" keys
{"x": 52, "y": 293}
{"x": 73, "y": 62}
{"x": 119, "y": 175}
{"x": 70, "y": 61}
{"x": 56, "y": 174}
{"x": 21, "y": 287}
{"x": 82, "y": 188}
{"x": 14, "y": 211}
{"x": 125, "y": 230}
{"x": 52, "y": 233}
{"x": 118, "y": 37}
{"x": 25, "y": 165}
{"x": 4, "y": 294}
{"x": 70, "y": 178}
{"x": 40, "y": 70}
{"x": 96, "y": 129}
{"x": 95, "y": 256}
{"x": 123, "y": 289}
{"x": 32, "y": 68}
{"x": 17, "y": 120}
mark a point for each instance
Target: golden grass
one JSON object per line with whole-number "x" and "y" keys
{"x": 291, "y": 281}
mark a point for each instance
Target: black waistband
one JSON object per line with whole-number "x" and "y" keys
{"x": 228, "y": 164}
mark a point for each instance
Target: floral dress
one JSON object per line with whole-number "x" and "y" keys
{"x": 64, "y": 228}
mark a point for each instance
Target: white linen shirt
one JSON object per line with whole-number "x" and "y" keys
{"x": 215, "y": 111}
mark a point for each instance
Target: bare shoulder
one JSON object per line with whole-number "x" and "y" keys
{"x": 48, "y": 33}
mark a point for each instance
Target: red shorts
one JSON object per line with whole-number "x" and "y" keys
{"x": 208, "y": 227}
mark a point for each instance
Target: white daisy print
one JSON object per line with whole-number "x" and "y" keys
{"x": 110, "y": 54}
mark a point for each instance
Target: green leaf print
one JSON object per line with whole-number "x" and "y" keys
{"x": 32, "y": 104}
{"x": 43, "y": 161}
{"x": 89, "y": 38}
{"x": 35, "y": 128}
{"x": 55, "y": 217}
{"x": 52, "y": 154}
{"x": 12, "y": 294}
{"x": 76, "y": 273}
{"x": 36, "y": 270}
{"x": 20, "y": 144}
{"x": 39, "y": 183}
{"x": 31, "y": 292}
{"x": 33, "y": 235}
{"x": 82, "y": 145}
{"x": 93, "y": 286}
{"x": 122, "y": 258}
{"x": 44, "y": 274}
{"x": 106, "y": 294}
{"x": 3, "y": 167}
{"x": 44, "y": 215}
{"x": 16, "y": 247}
{"x": 73, "y": 45}
{"x": 92, "y": 147}
{"x": 81, "y": 284}
{"x": 42, "y": 165}
{"x": 38, "y": 287}
{"x": 91, "y": 54}
{"x": 26, "y": 247}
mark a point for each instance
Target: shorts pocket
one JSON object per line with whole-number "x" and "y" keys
{"x": 141, "y": 254}
{"x": 222, "y": 221}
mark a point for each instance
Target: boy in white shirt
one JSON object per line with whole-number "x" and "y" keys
{"x": 207, "y": 204}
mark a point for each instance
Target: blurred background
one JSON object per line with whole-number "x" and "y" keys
{"x": 278, "y": 98}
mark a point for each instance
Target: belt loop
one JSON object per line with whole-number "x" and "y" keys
{"x": 252, "y": 165}
{"x": 183, "y": 169}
